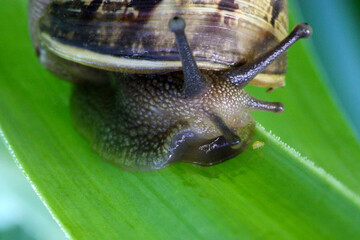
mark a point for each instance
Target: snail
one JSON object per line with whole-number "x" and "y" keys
{"x": 162, "y": 81}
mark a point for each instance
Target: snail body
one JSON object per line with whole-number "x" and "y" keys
{"x": 142, "y": 106}
{"x": 168, "y": 128}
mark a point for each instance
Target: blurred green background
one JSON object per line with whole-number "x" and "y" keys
{"x": 336, "y": 42}
{"x": 336, "y": 47}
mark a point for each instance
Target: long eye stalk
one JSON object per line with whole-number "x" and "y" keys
{"x": 243, "y": 75}
{"x": 194, "y": 81}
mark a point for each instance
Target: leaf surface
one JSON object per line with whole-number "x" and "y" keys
{"x": 270, "y": 192}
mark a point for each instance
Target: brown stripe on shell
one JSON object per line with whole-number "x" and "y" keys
{"x": 88, "y": 11}
{"x": 75, "y": 23}
{"x": 228, "y": 5}
{"x": 144, "y": 7}
{"x": 277, "y": 6}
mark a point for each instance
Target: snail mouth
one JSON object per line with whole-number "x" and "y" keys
{"x": 214, "y": 151}
{"x": 206, "y": 152}
{"x": 195, "y": 148}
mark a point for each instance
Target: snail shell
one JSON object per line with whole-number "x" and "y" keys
{"x": 133, "y": 36}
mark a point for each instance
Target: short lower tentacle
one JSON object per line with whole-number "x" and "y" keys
{"x": 260, "y": 105}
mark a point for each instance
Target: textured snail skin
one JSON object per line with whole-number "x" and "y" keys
{"x": 142, "y": 122}
{"x": 146, "y": 122}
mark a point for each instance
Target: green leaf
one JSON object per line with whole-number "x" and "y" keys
{"x": 270, "y": 192}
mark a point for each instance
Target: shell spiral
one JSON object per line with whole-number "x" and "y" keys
{"x": 133, "y": 36}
